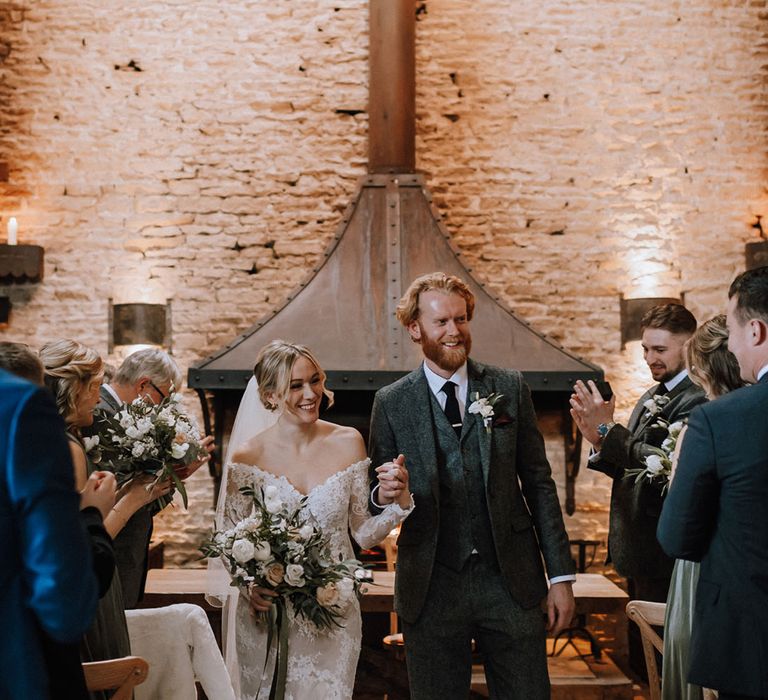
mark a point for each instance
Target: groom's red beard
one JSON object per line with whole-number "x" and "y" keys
{"x": 449, "y": 359}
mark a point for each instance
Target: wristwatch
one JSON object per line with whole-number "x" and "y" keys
{"x": 603, "y": 428}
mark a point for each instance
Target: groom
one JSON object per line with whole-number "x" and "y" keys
{"x": 470, "y": 555}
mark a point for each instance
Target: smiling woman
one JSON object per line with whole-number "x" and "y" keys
{"x": 319, "y": 468}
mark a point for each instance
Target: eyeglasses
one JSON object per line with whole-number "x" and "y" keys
{"x": 154, "y": 386}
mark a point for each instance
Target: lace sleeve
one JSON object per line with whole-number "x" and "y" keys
{"x": 368, "y": 530}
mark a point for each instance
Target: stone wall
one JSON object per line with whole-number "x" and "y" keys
{"x": 202, "y": 152}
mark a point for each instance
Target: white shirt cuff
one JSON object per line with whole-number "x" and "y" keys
{"x": 562, "y": 579}
{"x": 373, "y": 491}
{"x": 594, "y": 456}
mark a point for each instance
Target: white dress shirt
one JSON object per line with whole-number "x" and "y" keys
{"x": 762, "y": 371}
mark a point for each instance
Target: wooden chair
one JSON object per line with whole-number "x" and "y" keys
{"x": 644, "y": 614}
{"x": 121, "y": 675}
{"x": 394, "y": 640}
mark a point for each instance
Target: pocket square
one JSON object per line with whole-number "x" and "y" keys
{"x": 502, "y": 420}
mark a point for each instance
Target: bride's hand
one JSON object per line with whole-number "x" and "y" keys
{"x": 393, "y": 483}
{"x": 260, "y": 598}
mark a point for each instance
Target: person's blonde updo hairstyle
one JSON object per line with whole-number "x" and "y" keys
{"x": 274, "y": 365}
{"x": 710, "y": 363}
{"x": 408, "y": 307}
{"x": 69, "y": 367}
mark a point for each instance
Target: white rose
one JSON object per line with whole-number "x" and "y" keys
{"x": 328, "y": 595}
{"x": 654, "y": 464}
{"x": 294, "y": 575}
{"x": 90, "y": 442}
{"x": 273, "y": 505}
{"x": 262, "y": 551}
{"x": 179, "y": 450}
{"x": 675, "y": 428}
{"x": 486, "y": 411}
{"x": 243, "y": 551}
{"x": 270, "y": 492}
{"x": 650, "y": 404}
{"x": 138, "y": 450}
{"x": 305, "y": 531}
{"x": 667, "y": 444}
{"x": 132, "y": 432}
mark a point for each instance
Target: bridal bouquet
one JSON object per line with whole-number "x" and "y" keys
{"x": 145, "y": 438}
{"x": 282, "y": 550}
{"x": 658, "y": 464}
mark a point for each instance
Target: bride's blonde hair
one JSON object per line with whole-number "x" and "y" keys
{"x": 274, "y": 365}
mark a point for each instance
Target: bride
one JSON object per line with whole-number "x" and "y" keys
{"x": 289, "y": 447}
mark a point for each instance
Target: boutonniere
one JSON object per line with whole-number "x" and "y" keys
{"x": 655, "y": 405}
{"x": 485, "y": 407}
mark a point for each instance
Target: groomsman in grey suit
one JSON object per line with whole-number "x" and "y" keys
{"x": 717, "y": 510}
{"x": 148, "y": 374}
{"x": 636, "y": 505}
{"x": 471, "y": 557}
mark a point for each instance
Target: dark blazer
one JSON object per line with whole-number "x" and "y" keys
{"x": 132, "y": 542}
{"x": 522, "y": 499}
{"x": 46, "y": 575}
{"x": 717, "y": 513}
{"x": 635, "y": 507}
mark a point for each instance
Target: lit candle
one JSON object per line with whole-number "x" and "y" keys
{"x": 13, "y": 227}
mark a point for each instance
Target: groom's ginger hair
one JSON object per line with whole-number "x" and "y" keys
{"x": 408, "y": 307}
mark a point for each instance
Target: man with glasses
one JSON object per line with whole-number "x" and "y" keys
{"x": 151, "y": 375}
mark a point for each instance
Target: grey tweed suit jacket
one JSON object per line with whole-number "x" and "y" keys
{"x": 524, "y": 510}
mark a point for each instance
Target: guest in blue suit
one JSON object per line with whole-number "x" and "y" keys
{"x": 716, "y": 511}
{"x": 47, "y": 584}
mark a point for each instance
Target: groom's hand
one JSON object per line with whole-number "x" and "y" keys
{"x": 393, "y": 479}
{"x": 560, "y": 607}
{"x": 589, "y": 409}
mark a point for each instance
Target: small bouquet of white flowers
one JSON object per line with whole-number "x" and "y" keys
{"x": 282, "y": 550}
{"x": 146, "y": 438}
{"x": 658, "y": 464}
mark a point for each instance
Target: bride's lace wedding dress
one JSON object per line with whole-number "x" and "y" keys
{"x": 321, "y": 665}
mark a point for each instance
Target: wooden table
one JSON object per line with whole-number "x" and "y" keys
{"x": 594, "y": 593}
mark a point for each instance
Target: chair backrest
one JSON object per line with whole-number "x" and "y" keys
{"x": 645, "y": 613}
{"x": 122, "y": 674}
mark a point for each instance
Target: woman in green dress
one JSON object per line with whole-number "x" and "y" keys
{"x": 714, "y": 369}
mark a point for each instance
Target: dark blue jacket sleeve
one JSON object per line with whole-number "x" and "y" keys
{"x": 688, "y": 516}
{"x": 56, "y": 552}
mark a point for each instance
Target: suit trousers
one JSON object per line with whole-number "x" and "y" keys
{"x": 474, "y": 603}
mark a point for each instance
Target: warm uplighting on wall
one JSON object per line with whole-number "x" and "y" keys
{"x": 139, "y": 325}
{"x": 632, "y": 312}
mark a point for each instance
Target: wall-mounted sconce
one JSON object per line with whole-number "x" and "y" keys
{"x": 20, "y": 264}
{"x": 756, "y": 252}
{"x": 5, "y": 310}
{"x": 139, "y": 324}
{"x": 632, "y": 312}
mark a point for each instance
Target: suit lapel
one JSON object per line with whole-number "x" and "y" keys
{"x": 106, "y": 397}
{"x": 479, "y": 384}
{"x": 639, "y": 416}
{"x": 418, "y": 419}
{"x": 682, "y": 386}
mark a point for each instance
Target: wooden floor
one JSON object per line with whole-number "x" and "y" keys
{"x": 574, "y": 674}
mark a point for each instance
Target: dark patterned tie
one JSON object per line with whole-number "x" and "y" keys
{"x": 452, "y": 407}
{"x": 661, "y": 390}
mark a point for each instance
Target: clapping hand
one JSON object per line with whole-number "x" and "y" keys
{"x": 393, "y": 483}
{"x": 99, "y": 492}
{"x": 589, "y": 409}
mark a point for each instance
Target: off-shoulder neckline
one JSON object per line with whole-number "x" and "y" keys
{"x": 282, "y": 477}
